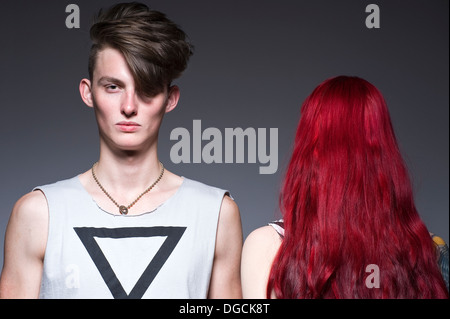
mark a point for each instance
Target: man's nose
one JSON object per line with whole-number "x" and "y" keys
{"x": 129, "y": 106}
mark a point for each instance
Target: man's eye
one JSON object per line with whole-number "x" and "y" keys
{"x": 112, "y": 87}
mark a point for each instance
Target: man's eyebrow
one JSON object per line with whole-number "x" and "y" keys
{"x": 109, "y": 79}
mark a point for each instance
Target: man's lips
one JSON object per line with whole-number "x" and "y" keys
{"x": 127, "y": 126}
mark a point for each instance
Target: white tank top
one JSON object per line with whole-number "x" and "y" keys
{"x": 165, "y": 253}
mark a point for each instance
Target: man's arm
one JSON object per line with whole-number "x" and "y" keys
{"x": 25, "y": 241}
{"x": 225, "y": 278}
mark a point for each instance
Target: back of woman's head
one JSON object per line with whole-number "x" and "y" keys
{"x": 347, "y": 203}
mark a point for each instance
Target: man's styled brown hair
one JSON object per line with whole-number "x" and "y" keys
{"x": 156, "y": 49}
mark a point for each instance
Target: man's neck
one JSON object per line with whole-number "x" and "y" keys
{"x": 131, "y": 171}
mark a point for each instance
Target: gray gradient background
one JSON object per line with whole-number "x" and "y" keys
{"x": 255, "y": 62}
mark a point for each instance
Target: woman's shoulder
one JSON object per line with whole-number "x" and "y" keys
{"x": 442, "y": 255}
{"x": 278, "y": 226}
{"x": 259, "y": 251}
{"x": 266, "y": 238}
{"x": 263, "y": 241}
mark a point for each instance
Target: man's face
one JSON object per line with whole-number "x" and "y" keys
{"x": 126, "y": 120}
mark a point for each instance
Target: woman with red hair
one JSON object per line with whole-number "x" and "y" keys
{"x": 350, "y": 227}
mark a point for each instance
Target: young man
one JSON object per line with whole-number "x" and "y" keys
{"x": 126, "y": 228}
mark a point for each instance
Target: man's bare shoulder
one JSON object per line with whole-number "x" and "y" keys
{"x": 28, "y": 225}
{"x": 230, "y": 226}
{"x": 225, "y": 279}
{"x": 25, "y": 241}
{"x": 31, "y": 209}
{"x": 229, "y": 208}
{"x": 229, "y": 231}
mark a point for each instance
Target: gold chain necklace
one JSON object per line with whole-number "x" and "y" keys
{"x": 122, "y": 208}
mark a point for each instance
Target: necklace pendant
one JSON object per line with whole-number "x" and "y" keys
{"x": 123, "y": 210}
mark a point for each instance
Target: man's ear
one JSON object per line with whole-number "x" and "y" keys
{"x": 173, "y": 98}
{"x": 86, "y": 92}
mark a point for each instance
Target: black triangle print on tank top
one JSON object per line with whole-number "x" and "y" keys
{"x": 87, "y": 236}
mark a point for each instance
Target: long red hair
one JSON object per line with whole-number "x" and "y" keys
{"x": 347, "y": 203}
